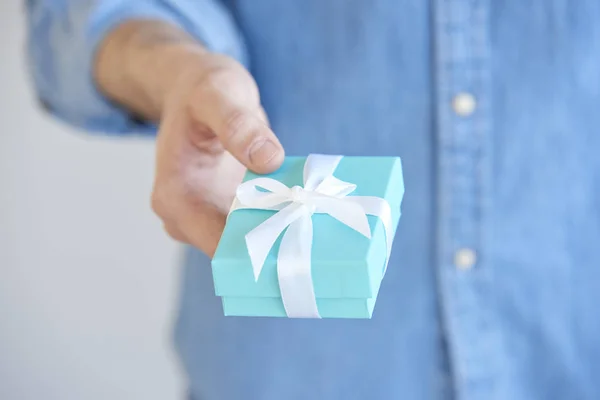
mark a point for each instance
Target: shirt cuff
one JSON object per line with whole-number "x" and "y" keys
{"x": 78, "y": 100}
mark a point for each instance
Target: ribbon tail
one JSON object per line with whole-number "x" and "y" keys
{"x": 261, "y": 239}
{"x": 294, "y": 269}
{"x": 380, "y": 208}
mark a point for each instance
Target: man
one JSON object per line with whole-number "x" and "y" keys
{"x": 493, "y": 106}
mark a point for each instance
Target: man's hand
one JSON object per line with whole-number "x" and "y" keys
{"x": 211, "y": 123}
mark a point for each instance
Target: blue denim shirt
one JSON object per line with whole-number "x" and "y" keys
{"x": 493, "y": 287}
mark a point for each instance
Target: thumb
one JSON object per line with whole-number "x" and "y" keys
{"x": 241, "y": 128}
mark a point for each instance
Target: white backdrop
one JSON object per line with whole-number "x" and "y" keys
{"x": 88, "y": 281}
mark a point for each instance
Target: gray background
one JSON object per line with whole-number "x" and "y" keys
{"x": 88, "y": 280}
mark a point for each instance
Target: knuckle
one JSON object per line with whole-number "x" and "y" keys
{"x": 155, "y": 203}
{"x": 238, "y": 127}
{"x": 173, "y": 233}
{"x": 158, "y": 204}
{"x": 221, "y": 80}
{"x": 159, "y": 207}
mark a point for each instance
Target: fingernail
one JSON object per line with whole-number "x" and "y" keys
{"x": 262, "y": 152}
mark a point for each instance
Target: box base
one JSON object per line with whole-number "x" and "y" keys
{"x": 273, "y": 307}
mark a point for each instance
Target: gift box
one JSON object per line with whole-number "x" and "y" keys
{"x": 311, "y": 239}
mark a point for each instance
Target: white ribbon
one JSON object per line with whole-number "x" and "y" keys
{"x": 322, "y": 194}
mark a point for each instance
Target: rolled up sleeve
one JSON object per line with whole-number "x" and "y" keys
{"x": 64, "y": 35}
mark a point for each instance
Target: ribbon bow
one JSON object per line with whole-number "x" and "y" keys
{"x": 322, "y": 194}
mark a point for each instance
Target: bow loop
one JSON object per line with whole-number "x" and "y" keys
{"x": 317, "y": 168}
{"x": 333, "y": 186}
{"x": 272, "y": 196}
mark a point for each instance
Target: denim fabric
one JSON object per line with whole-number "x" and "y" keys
{"x": 517, "y": 182}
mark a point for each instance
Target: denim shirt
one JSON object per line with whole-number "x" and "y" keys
{"x": 493, "y": 287}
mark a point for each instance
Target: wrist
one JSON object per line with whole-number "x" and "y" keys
{"x": 139, "y": 62}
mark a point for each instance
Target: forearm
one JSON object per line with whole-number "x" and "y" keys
{"x": 140, "y": 60}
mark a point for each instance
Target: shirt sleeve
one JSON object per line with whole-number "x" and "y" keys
{"x": 63, "y": 36}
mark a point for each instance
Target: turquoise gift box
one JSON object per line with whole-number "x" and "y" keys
{"x": 347, "y": 267}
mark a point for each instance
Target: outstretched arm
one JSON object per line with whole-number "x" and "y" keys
{"x": 211, "y": 123}
{"x": 64, "y": 37}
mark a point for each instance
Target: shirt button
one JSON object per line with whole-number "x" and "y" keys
{"x": 464, "y": 259}
{"x": 464, "y": 104}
